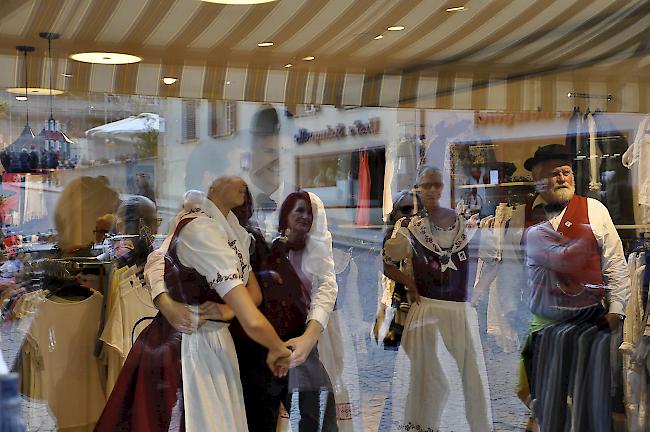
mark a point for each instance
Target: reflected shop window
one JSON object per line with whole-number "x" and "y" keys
{"x": 323, "y": 216}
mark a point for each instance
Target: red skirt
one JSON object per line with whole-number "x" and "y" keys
{"x": 149, "y": 385}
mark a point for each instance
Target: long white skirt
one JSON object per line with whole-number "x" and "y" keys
{"x": 212, "y": 391}
{"x": 434, "y": 382}
{"x": 338, "y": 355}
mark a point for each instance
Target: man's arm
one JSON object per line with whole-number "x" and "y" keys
{"x": 613, "y": 263}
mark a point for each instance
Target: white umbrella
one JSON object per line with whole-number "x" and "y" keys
{"x": 145, "y": 122}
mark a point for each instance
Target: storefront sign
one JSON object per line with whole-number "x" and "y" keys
{"x": 509, "y": 119}
{"x": 358, "y": 128}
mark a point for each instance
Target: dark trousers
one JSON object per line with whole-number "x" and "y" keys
{"x": 264, "y": 392}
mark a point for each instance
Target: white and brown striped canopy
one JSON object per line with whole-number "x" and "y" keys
{"x": 526, "y": 51}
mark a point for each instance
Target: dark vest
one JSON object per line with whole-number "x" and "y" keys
{"x": 284, "y": 304}
{"x": 450, "y": 285}
{"x": 580, "y": 287}
{"x": 185, "y": 284}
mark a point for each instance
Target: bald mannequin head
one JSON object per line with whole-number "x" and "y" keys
{"x": 227, "y": 193}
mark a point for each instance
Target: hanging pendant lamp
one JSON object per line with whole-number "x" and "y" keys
{"x": 12, "y": 157}
{"x": 52, "y": 139}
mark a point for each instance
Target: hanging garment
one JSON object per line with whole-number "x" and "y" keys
{"x": 390, "y": 185}
{"x": 616, "y": 191}
{"x": 363, "y": 200}
{"x": 133, "y": 305}
{"x": 64, "y": 371}
{"x": 638, "y": 154}
{"x": 576, "y": 141}
{"x": 594, "y": 155}
{"x": 34, "y": 204}
{"x": 635, "y": 348}
{"x": 633, "y": 325}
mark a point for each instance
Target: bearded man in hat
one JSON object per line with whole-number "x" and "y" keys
{"x": 579, "y": 286}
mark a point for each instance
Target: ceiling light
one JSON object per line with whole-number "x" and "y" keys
{"x": 395, "y": 28}
{"x": 227, "y": 82}
{"x": 169, "y": 80}
{"x": 288, "y": 65}
{"x": 456, "y": 9}
{"x": 379, "y": 37}
{"x": 308, "y": 58}
{"x": 67, "y": 75}
{"x": 105, "y": 58}
{"x": 21, "y": 98}
{"x": 265, "y": 44}
{"x": 238, "y": 2}
{"x": 37, "y": 91}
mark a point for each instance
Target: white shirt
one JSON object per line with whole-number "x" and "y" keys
{"x": 639, "y": 154}
{"x": 214, "y": 245}
{"x": 613, "y": 263}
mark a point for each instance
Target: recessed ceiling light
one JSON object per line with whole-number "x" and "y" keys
{"x": 288, "y": 65}
{"x": 239, "y": 2}
{"x": 456, "y": 9}
{"x": 21, "y": 98}
{"x": 105, "y": 58}
{"x": 67, "y": 75}
{"x": 308, "y": 58}
{"x": 37, "y": 91}
{"x": 265, "y": 44}
{"x": 227, "y": 82}
{"x": 379, "y": 37}
{"x": 395, "y": 28}
{"x": 169, "y": 80}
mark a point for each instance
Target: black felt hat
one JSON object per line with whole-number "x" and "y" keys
{"x": 548, "y": 152}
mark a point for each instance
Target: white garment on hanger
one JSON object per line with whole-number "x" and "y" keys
{"x": 66, "y": 373}
{"x": 594, "y": 156}
{"x": 133, "y": 302}
{"x": 639, "y": 154}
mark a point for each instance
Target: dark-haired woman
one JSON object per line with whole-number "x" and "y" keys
{"x": 299, "y": 289}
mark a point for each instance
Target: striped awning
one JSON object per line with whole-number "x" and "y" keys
{"x": 496, "y": 54}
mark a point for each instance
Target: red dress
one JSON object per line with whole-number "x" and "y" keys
{"x": 150, "y": 383}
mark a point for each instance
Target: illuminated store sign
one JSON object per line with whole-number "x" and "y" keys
{"x": 358, "y": 128}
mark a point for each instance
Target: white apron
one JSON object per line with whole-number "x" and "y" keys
{"x": 212, "y": 391}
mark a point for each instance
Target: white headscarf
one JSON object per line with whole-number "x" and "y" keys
{"x": 318, "y": 258}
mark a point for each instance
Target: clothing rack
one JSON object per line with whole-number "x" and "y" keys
{"x": 66, "y": 268}
{"x": 577, "y": 95}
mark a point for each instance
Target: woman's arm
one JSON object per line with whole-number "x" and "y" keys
{"x": 211, "y": 310}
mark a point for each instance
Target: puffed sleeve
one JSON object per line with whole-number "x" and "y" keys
{"x": 398, "y": 247}
{"x": 204, "y": 246}
{"x": 154, "y": 270}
